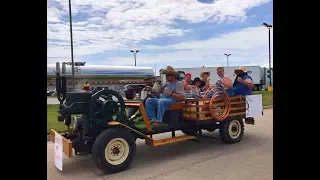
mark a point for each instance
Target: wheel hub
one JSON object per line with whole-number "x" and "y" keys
{"x": 234, "y": 129}
{"x": 117, "y": 151}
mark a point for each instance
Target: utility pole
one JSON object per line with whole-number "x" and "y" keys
{"x": 155, "y": 68}
{"x": 269, "y": 28}
{"x": 71, "y": 38}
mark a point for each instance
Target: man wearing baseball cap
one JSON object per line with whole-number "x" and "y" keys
{"x": 187, "y": 81}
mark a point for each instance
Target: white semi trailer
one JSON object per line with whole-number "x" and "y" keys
{"x": 257, "y": 73}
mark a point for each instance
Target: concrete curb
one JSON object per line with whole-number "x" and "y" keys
{"x": 264, "y": 107}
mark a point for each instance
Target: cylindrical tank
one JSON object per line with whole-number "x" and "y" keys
{"x": 88, "y": 71}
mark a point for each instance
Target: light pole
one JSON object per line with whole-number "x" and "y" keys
{"x": 71, "y": 39}
{"x": 155, "y": 68}
{"x": 227, "y": 59}
{"x": 269, "y": 27}
{"x": 135, "y": 56}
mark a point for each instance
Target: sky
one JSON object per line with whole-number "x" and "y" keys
{"x": 180, "y": 33}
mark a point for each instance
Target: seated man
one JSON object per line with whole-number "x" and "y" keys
{"x": 224, "y": 81}
{"x": 148, "y": 80}
{"x": 243, "y": 83}
{"x": 173, "y": 92}
{"x": 197, "y": 84}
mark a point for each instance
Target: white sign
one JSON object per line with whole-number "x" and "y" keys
{"x": 58, "y": 151}
{"x": 254, "y": 106}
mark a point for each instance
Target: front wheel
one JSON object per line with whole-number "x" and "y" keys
{"x": 232, "y": 131}
{"x": 113, "y": 150}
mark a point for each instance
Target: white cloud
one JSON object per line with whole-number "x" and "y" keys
{"x": 248, "y": 46}
{"x": 130, "y": 22}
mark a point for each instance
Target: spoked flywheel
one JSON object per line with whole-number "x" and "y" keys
{"x": 108, "y": 105}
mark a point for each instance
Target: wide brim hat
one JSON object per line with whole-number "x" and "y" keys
{"x": 197, "y": 79}
{"x": 202, "y": 73}
{"x": 241, "y": 68}
{"x": 169, "y": 71}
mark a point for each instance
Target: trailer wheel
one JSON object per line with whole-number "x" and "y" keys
{"x": 232, "y": 131}
{"x": 113, "y": 150}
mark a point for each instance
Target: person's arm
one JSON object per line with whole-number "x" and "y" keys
{"x": 179, "y": 94}
{"x": 227, "y": 82}
{"x": 247, "y": 81}
{"x": 206, "y": 86}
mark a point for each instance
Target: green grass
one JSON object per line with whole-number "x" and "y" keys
{"x": 60, "y": 127}
{"x": 52, "y": 121}
{"x": 267, "y": 97}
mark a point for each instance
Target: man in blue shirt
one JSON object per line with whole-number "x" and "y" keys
{"x": 243, "y": 83}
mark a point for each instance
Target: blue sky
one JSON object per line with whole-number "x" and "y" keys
{"x": 180, "y": 33}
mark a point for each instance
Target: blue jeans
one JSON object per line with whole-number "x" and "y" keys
{"x": 229, "y": 91}
{"x": 156, "y": 107}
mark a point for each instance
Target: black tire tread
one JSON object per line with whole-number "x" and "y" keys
{"x": 224, "y": 135}
{"x": 100, "y": 145}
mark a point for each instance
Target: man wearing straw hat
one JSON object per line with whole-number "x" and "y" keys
{"x": 173, "y": 92}
{"x": 243, "y": 83}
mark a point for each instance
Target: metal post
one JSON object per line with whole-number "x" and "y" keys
{"x": 71, "y": 38}
{"x": 135, "y": 56}
{"x": 269, "y": 26}
{"x": 227, "y": 61}
{"x": 155, "y": 68}
{"x": 270, "y": 57}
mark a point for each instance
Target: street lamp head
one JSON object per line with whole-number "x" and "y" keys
{"x": 227, "y": 54}
{"x": 131, "y": 51}
{"x": 137, "y": 50}
{"x": 267, "y": 25}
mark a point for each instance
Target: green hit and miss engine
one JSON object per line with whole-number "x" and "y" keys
{"x": 87, "y": 112}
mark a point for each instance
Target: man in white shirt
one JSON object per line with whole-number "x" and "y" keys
{"x": 223, "y": 80}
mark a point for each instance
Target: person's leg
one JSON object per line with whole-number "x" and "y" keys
{"x": 163, "y": 105}
{"x": 151, "y": 105}
{"x": 230, "y": 92}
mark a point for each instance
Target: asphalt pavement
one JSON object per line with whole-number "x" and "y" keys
{"x": 208, "y": 159}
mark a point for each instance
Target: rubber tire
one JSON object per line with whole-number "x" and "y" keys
{"x": 190, "y": 132}
{"x": 99, "y": 145}
{"x": 224, "y": 132}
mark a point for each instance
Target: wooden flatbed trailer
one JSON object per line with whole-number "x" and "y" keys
{"x": 113, "y": 148}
